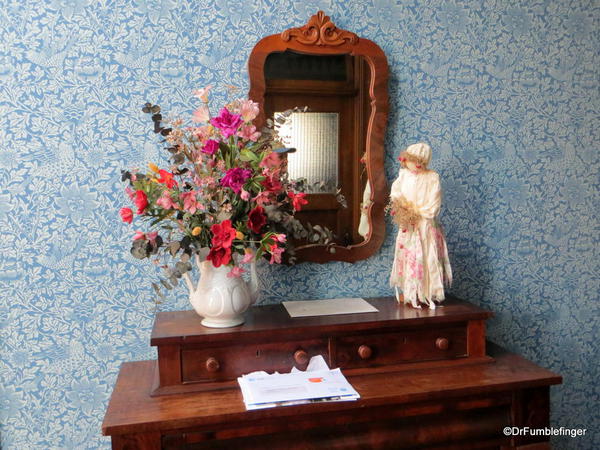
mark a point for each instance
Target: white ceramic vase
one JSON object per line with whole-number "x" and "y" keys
{"x": 219, "y": 299}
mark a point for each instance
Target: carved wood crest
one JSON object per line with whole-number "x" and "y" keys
{"x": 320, "y": 30}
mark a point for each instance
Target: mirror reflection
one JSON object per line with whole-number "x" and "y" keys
{"x": 314, "y": 136}
{"x": 329, "y": 138}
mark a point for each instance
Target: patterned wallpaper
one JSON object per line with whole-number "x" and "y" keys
{"x": 506, "y": 92}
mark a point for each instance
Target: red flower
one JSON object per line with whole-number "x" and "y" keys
{"x": 219, "y": 256}
{"x": 141, "y": 201}
{"x": 126, "y": 215}
{"x": 298, "y": 200}
{"x": 166, "y": 178}
{"x": 271, "y": 182}
{"x": 257, "y": 219}
{"x": 223, "y": 235}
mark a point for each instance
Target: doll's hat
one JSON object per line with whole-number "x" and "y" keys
{"x": 419, "y": 153}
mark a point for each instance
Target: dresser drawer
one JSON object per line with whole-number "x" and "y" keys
{"x": 229, "y": 362}
{"x": 401, "y": 346}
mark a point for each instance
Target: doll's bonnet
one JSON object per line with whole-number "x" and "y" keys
{"x": 418, "y": 153}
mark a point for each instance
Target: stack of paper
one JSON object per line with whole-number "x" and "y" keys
{"x": 317, "y": 384}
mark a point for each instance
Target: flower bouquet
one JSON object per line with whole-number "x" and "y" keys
{"x": 225, "y": 202}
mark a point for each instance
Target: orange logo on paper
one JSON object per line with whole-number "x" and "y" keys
{"x": 315, "y": 380}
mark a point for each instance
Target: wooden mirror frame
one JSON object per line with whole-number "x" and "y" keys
{"x": 321, "y": 37}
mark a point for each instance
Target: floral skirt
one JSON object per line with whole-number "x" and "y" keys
{"x": 421, "y": 266}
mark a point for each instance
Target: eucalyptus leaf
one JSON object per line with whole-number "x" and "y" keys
{"x": 139, "y": 252}
{"x": 174, "y": 248}
{"x": 181, "y": 266}
{"x": 185, "y": 242}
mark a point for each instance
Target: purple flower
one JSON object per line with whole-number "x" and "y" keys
{"x": 228, "y": 123}
{"x": 235, "y": 178}
{"x": 211, "y": 147}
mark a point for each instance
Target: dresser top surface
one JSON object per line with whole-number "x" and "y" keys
{"x": 270, "y": 320}
{"x": 132, "y": 409}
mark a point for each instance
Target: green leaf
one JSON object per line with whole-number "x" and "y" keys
{"x": 259, "y": 252}
{"x": 246, "y": 155}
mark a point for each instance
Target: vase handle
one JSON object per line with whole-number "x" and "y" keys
{"x": 253, "y": 283}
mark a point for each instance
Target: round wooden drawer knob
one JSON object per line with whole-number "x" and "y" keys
{"x": 301, "y": 357}
{"x": 442, "y": 343}
{"x": 212, "y": 365}
{"x": 365, "y": 352}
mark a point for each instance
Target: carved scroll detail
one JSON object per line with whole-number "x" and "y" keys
{"x": 320, "y": 30}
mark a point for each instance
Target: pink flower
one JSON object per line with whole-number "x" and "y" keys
{"x": 130, "y": 193}
{"x": 248, "y": 110}
{"x": 248, "y": 256}
{"x": 202, "y": 94}
{"x": 201, "y": 114}
{"x": 262, "y": 198}
{"x": 141, "y": 201}
{"x": 126, "y": 215}
{"x": 275, "y": 253}
{"x": 149, "y": 236}
{"x": 210, "y": 147}
{"x": 139, "y": 235}
{"x": 226, "y": 122}
{"x": 190, "y": 202}
{"x": 166, "y": 202}
{"x": 280, "y": 237}
{"x": 270, "y": 161}
{"x": 249, "y": 133}
{"x": 235, "y": 178}
{"x": 245, "y": 195}
{"x": 236, "y": 272}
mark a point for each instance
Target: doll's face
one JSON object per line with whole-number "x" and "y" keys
{"x": 413, "y": 167}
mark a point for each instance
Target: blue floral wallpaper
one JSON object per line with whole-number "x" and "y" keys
{"x": 506, "y": 92}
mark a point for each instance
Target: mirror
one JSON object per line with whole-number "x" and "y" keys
{"x": 338, "y": 139}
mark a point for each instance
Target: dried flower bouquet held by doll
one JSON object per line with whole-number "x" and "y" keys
{"x": 421, "y": 266}
{"x": 225, "y": 198}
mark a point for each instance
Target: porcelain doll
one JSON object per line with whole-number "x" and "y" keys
{"x": 421, "y": 266}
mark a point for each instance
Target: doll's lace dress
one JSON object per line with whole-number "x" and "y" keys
{"x": 421, "y": 266}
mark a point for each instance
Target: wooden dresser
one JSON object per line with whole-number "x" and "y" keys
{"x": 425, "y": 380}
